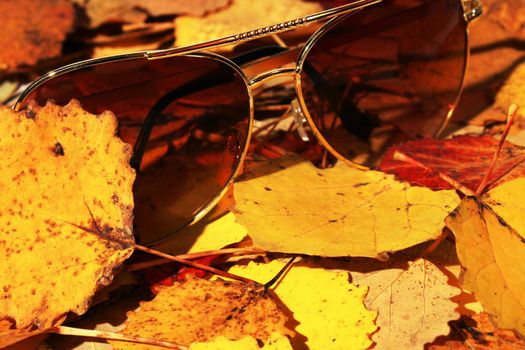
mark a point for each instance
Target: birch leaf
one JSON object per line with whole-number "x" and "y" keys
{"x": 288, "y": 205}
{"x": 207, "y": 234}
{"x": 329, "y": 309}
{"x": 490, "y": 242}
{"x": 199, "y": 310}
{"x": 65, "y": 214}
{"x": 413, "y": 304}
{"x": 275, "y": 342}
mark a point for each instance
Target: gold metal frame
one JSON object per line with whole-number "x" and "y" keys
{"x": 472, "y": 9}
{"x": 470, "y": 12}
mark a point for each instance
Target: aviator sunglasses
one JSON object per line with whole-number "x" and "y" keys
{"x": 374, "y": 72}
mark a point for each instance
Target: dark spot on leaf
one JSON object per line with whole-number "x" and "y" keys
{"x": 35, "y": 325}
{"x": 58, "y": 150}
{"x": 360, "y": 184}
{"x": 30, "y": 114}
{"x": 267, "y": 188}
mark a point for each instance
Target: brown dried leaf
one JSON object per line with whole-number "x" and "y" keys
{"x": 32, "y": 30}
{"x": 101, "y": 11}
{"x": 65, "y": 213}
{"x": 199, "y": 310}
{"x": 413, "y": 305}
{"x": 478, "y": 332}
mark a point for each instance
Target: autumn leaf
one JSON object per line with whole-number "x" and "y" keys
{"x": 199, "y": 310}
{"x": 512, "y": 92}
{"x": 101, "y": 11}
{"x": 32, "y": 30}
{"x": 288, "y": 205}
{"x": 465, "y": 159}
{"x": 478, "y": 332}
{"x": 205, "y": 235}
{"x": 490, "y": 241}
{"x": 275, "y": 342}
{"x": 65, "y": 213}
{"x": 413, "y": 304}
{"x": 242, "y": 15}
{"x": 328, "y": 308}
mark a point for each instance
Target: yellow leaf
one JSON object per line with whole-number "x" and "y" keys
{"x": 205, "y": 235}
{"x": 65, "y": 213}
{"x": 507, "y": 201}
{"x": 490, "y": 242}
{"x": 290, "y": 206}
{"x": 329, "y": 309}
{"x": 413, "y": 304}
{"x": 241, "y": 16}
{"x": 199, "y": 310}
{"x": 275, "y": 342}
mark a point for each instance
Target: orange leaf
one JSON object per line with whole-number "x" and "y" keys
{"x": 33, "y": 30}
{"x": 199, "y": 310}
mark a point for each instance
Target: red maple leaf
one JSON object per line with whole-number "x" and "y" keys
{"x": 463, "y": 159}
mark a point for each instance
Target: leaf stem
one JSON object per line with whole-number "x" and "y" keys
{"x": 79, "y": 332}
{"x": 513, "y": 109}
{"x": 275, "y": 278}
{"x": 192, "y": 264}
{"x": 197, "y": 255}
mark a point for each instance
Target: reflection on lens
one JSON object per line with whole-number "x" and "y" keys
{"x": 385, "y": 74}
{"x": 188, "y": 118}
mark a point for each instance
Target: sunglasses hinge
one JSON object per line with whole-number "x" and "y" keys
{"x": 472, "y": 9}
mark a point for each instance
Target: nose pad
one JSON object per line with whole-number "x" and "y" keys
{"x": 300, "y": 120}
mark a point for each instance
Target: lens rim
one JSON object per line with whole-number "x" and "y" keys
{"x": 318, "y": 35}
{"x": 71, "y": 68}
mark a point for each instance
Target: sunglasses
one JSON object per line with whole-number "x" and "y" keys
{"x": 374, "y": 72}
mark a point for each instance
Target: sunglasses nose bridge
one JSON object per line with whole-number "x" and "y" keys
{"x": 300, "y": 120}
{"x": 272, "y": 74}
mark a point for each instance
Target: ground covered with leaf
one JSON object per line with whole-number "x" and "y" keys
{"x": 427, "y": 251}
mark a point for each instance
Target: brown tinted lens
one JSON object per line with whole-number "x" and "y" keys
{"x": 389, "y": 72}
{"x": 188, "y": 119}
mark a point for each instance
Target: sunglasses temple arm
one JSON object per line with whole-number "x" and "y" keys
{"x": 265, "y": 31}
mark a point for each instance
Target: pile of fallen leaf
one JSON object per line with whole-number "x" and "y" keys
{"x": 425, "y": 252}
